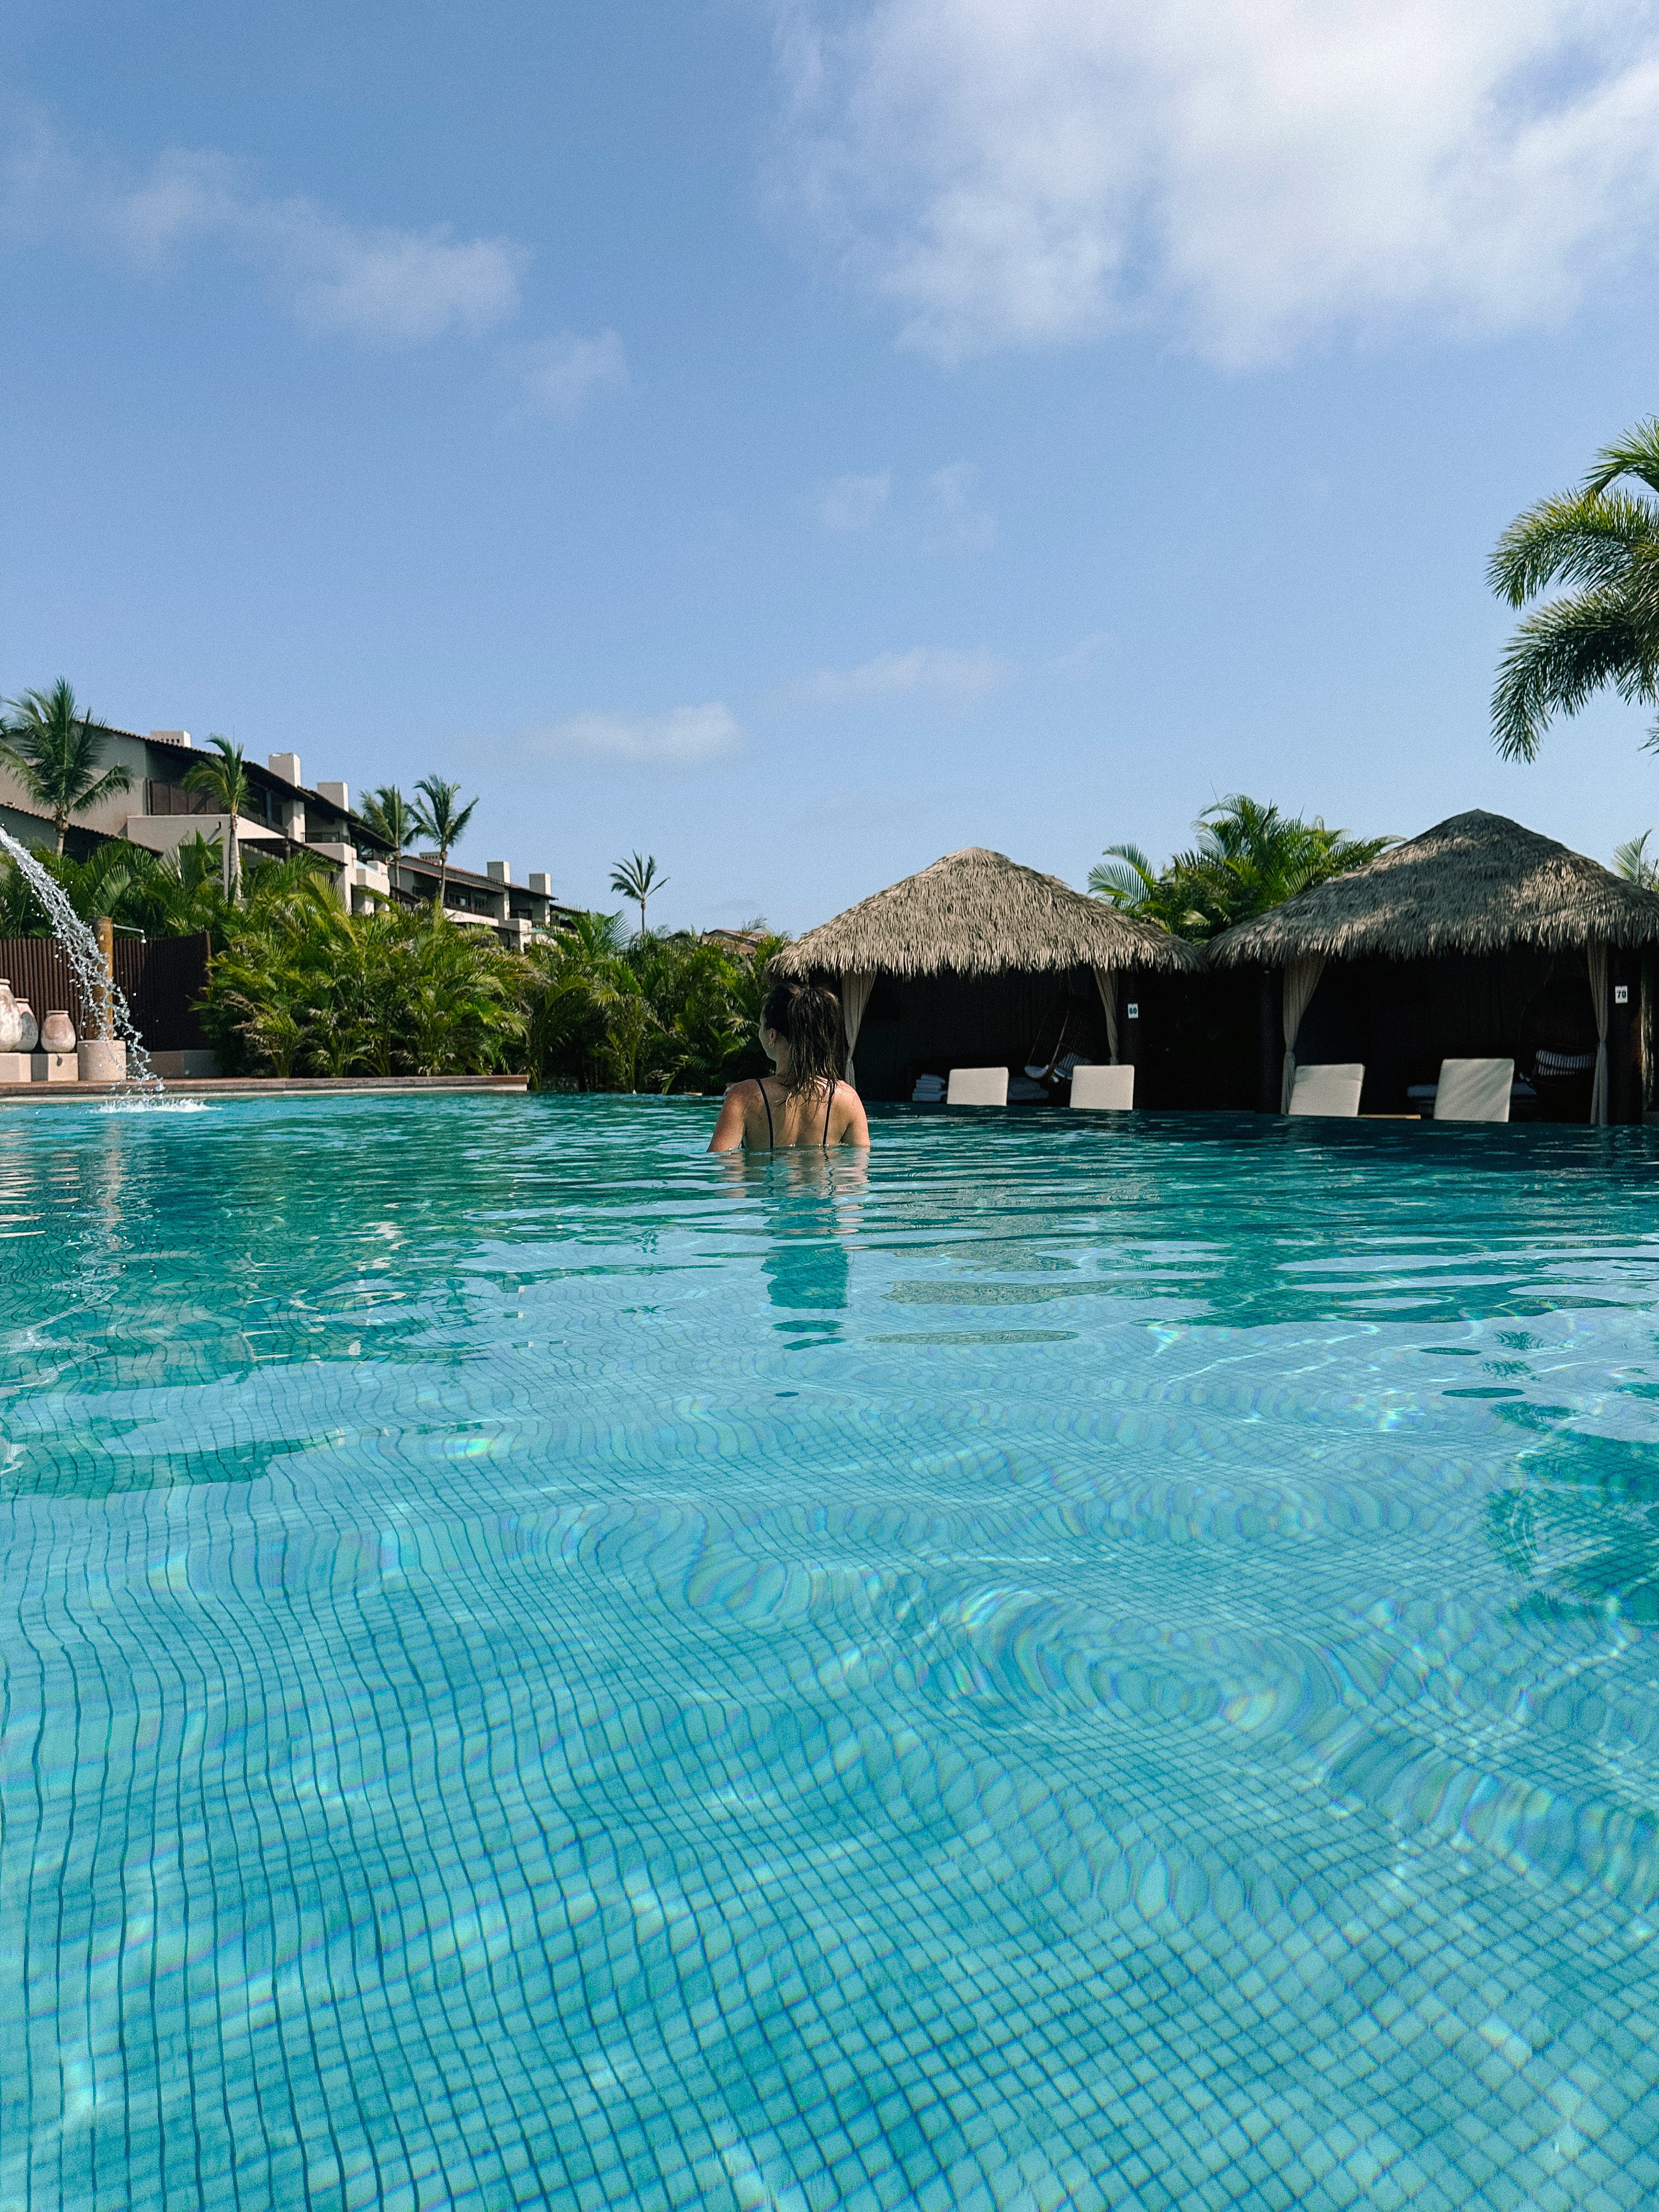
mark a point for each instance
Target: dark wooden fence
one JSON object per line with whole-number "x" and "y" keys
{"x": 161, "y": 978}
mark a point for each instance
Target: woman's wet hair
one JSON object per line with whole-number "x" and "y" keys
{"x": 809, "y": 1017}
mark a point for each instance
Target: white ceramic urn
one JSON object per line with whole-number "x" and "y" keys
{"x": 31, "y": 1036}
{"x": 11, "y": 1021}
{"x": 58, "y": 1032}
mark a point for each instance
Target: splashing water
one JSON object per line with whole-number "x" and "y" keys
{"x": 98, "y": 985}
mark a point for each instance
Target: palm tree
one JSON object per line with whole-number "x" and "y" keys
{"x": 1249, "y": 858}
{"x": 1633, "y": 861}
{"x": 224, "y": 779}
{"x": 1604, "y": 631}
{"x": 440, "y": 815}
{"x": 636, "y": 879}
{"x": 389, "y": 815}
{"x": 55, "y": 750}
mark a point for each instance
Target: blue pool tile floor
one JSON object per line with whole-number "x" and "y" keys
{"x": 1106, "y": 1666}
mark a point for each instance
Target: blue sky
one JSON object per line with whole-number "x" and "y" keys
{"x": 797, "y": 440}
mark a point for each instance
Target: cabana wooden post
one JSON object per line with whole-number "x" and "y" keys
{"x": 1476, "y": 889}
{"x": 961, "y": 963}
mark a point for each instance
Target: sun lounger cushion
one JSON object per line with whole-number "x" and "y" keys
{"x": 978, "y": 1086}
{"x": 1474, "y": 1091}
{"x": 1112, "y": 1088}
{"x": 1332, "y": 1088}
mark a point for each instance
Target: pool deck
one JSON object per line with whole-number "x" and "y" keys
{"x": 268, "y": 1086}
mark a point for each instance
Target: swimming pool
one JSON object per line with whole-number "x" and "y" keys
{"x": 1103, "y": 1664}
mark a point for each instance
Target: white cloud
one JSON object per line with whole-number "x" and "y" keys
{"x": 684, "y": 737}
{"x": 853, "y": 502}
{"x": 955, "y": 523}
{"x": 962, "y": 677}
{"x": 1083, "y": 654}
{"x": 1251, "y": 173}
{"x": 371, "y": 281}
{"x": 559, "y": 375}
{"x": 940, "y": 516}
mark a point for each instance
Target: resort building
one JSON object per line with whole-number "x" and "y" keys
{"x": 516, "y": 912}
{"x": 282, "y": 815}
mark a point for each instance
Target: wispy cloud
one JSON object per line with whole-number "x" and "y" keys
{"x": 955, "y": 523}
{"x": 684, "y": 737}
{"x": 852, "y": 503}
{"x": 963, "y": 678}
{"x": 373, "y": 283}
{"x": 940, "y": 515}
{"x": 1083, "y": 654}
{"x": 1247, "y": 176}
{"x": 557, "y": 376}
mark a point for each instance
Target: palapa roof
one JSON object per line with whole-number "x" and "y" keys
{"x": 978, "y": 913}
{"x": 1477, "y": 883}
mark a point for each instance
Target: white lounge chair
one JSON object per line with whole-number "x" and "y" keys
{"x": 1111, "y": 1088}
{"x": 978, "y": 1086}
{"x": 1333, "y": 1089}
{"x": 1474, "y": 1091}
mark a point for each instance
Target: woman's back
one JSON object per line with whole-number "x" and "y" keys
{"x": 776, "y": 1119}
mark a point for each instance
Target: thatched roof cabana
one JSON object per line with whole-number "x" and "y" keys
{"x": 1491, "y": 919}
{"x": 1476, "y": 884}
{"x": 978, "y": 913}
{"x": 973, "y": 960}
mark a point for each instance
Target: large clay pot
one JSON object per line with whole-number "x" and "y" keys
{"x": 11, "y": 1022}
{"x": 58, "y": 1032}
{"x": 31, "y": 1036}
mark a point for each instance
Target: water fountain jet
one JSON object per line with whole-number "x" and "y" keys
{"x": 100, "y": 995}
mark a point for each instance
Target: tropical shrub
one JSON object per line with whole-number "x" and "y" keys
{"x": 301, "y": 987}
{"x": 1248, "y": 859}
{"x": 670, "y": 1012}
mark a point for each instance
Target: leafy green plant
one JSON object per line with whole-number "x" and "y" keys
{"x": 56, "y": 751}
{"x": 663, "y": 1013}
{"x": 1248, "y": 859}
{"x": 302, "y": 987}
{"x": 440, "y": 815}
{"x": 1633, "y": 861}
{"x": 224, "y": 779}
{"x": 389, "y": 815}
{"x": 1603, "y": 632}
{"x": 636, "y": 878}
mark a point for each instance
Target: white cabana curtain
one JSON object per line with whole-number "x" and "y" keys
{"x": 1598, "y": 983}
{"x": 1106, "y": 984}
{"x": 1301, "y": 981}
{"x": 854, "y": 998}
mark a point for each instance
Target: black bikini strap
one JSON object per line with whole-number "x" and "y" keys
{"x": 829, "y": 1105}
{"x": 771, "y": 1141}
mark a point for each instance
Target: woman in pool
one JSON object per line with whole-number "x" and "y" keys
{"x": 804, "y": 1102}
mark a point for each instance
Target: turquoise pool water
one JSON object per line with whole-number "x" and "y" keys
{"x": 1091, "y": 1663}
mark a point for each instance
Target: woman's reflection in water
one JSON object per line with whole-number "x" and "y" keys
{"x": 810, "y": 1207}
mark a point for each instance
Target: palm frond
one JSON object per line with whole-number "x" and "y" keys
{"x": 1560, "y": 656}
{"x": 1632, "y": 861}
{"x": 1635, "y": 454}
{"x": 1578, "y": 538}
{"x": 1124, "y": 874}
